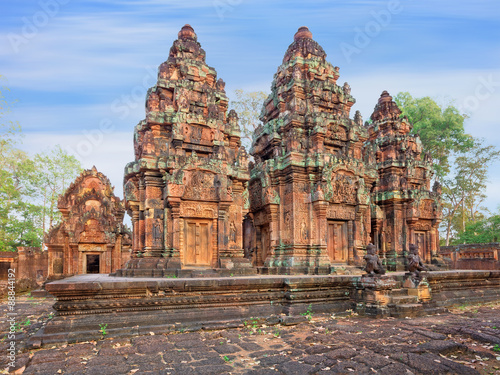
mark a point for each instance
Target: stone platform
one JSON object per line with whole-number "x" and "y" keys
{"x": 131, "y": 306}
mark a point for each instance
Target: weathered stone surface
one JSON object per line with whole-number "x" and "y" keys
{"x": 479, "y": 256}
{"x": 404, "y": 210}
{"x": 91, "y": 237}
{"x": 442, "y": 346}
{"x": 364, "y": 346}
{"x": 296, "y": 368}
{"x": 185, "y": 188}
{"x": 323, "y": 185}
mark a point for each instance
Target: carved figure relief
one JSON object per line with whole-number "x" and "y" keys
{"x": 232, "y": 232}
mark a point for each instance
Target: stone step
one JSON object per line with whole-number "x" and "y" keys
{"x": 399, "y": 292}
{"x": 401, "y": 300}
{"x": 407, "y": 310}
{"x": 40, "y": 293}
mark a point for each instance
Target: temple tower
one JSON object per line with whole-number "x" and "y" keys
{"x": 185, "y": 188}
{"x": 310, "y": 186}
{"x": 404, "y": 208}
{"x": 91, "y": 237}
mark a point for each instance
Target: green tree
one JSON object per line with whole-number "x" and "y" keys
{"x": 18, "y": 214}
{"x": 441, "y": 129}
{"x": 466, "y": 183}
{"x": 248, "y": 105}
{"x": 481, "y": 231}
{"x": 57, "y": 169}
{"x": 29, "y": 186}
{"x": 11, "y": 175}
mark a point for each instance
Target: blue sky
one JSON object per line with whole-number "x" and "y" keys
{"x": 80, "y": 70}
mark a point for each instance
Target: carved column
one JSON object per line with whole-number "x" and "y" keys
{"x": 350, "y": 242}
{"x": 258, "y": 247}
{"x": 377, "y": 225}
{"x": 136, "y": 248}
{"x": 274, "y": 229}
{"x": 175, "y": 205}
{"x": 238, "y": 217}
{"x": 153, "y": 215}
{"x": 428, "y": 245}
{"x": 68, "y": 257}
{"x": 222, "y": 253}
{"x": 142, "y": 227}
{"x": 116, "y": 258}
{"x": 319, "y": 208}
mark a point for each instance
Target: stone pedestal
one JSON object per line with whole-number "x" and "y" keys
{"x": 419, "y": 289}
{"x": 374, "y": 295}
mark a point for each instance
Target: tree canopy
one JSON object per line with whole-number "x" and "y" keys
{"x": 248, "y": 106}
{"x": 29, "y": 186}
{"x": 461, "y": 161}
{"x": 441, "y": 129}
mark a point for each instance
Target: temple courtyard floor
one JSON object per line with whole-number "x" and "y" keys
{"x": 465, "y": 340}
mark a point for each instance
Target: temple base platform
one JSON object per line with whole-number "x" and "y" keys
{"x": 135, "y": 306}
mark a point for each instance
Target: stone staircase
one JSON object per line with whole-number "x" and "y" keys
{"x": 394, "y": 297}
{"x": 404, "y": 302}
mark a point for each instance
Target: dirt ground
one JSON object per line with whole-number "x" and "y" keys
{"x": 464, "y": 341}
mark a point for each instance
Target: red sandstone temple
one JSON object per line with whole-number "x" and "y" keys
{"x": 321, "y": 187}
{"x": 91, "y": 237}
{"x": 324, "y": 185}
{"x": 185, "y": 189}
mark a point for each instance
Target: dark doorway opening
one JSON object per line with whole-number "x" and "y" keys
{"x": 92, "y": 263}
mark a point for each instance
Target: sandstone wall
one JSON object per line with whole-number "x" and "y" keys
{"x": 482, "y": 256}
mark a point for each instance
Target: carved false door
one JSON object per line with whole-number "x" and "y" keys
{"x": 421, "y": 244}
{"x": 198, "y": 244}
{"x": 337, "y": 241}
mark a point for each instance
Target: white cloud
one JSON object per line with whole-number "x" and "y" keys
{"x": 110, "y": 154}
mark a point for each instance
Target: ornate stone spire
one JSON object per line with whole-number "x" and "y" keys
{"x": 304, "y": 46}
{"x": 187, "y": 32}
{"x": 385, "y": 108}
{"x": 302, "y": 33}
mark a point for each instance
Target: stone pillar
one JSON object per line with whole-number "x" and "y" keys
{"x": 350, "y": 242}
{"x": 175, "y": 223}
{"x": 428, "y": 244}
{"x": 136, "y": 246}
{"x": 238, "y": 216}
{"x": 274, "y": 230}
{"x": 434, "y": 246}
{"x": 222, "y": 255}
{"x": 153, "y": 215}
{"x": 68, "y": 257}
{"x": 258, "y": 247}
{"x": 319, "y": 209}
{"x": 142, "y": 227}
{"x": 116, "y": 258}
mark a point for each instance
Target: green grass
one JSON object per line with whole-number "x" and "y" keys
{"x": 103, "y": 329}
{"x": 308, "y": 314}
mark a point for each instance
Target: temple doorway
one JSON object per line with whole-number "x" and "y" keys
{"x": 93, "y": 263}
{"x": 198, "y": 250}
{"x": 421, "y": 244}
{"x": 337, "y": 241}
